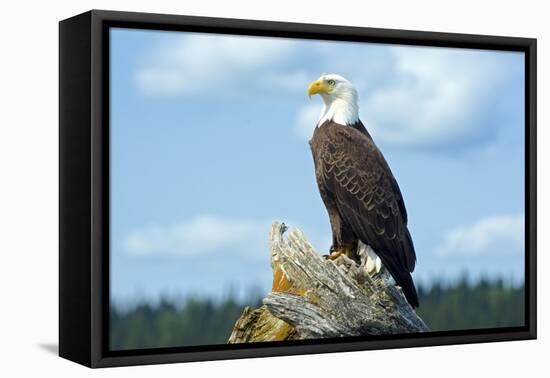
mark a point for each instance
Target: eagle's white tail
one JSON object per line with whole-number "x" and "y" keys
{"x": 373, "y": 263}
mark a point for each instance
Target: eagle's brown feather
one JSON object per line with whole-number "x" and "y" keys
{"x": 363, "y": 199}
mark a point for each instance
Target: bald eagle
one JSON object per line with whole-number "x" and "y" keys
{"x": 364, "y": 203}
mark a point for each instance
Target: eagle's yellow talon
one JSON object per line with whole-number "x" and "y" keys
{"x": 333, "y": 255}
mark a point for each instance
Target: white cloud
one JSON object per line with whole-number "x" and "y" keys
{"x": 203, "y": 63}
{"x": 409, "y": 96}
{"x": 424, "y": 96}
{"x": 503, "y": 234}
{"x": 306, "y": 120}
{"x": 202, "y": 235}
{"x": 436, "y": 97}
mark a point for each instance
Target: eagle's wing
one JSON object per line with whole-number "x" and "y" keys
{"x": 369, "y": 200}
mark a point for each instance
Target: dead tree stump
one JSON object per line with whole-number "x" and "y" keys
{"x": 313, "y": 297}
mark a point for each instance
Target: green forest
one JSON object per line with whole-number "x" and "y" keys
{"x": 202, "y": 321}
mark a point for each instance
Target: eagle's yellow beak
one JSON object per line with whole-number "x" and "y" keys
{"x": 317, "y": 87}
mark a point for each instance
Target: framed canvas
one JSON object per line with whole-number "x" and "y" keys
{"x": 210, "y": 210}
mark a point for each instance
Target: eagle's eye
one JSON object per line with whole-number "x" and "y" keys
{"x": 331, "y": 83}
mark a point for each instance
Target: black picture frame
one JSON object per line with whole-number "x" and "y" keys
{"x": 84, "y": 186}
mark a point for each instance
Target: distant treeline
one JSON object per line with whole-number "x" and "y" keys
{"x": 203, "y": 321}
{"x": 196, "y": 321}
{"x": 486, "y": 304}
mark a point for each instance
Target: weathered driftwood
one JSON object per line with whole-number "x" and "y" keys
{"x": 313, "y": 297}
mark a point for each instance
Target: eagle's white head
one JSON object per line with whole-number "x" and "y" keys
{"x": 339, "y": 97}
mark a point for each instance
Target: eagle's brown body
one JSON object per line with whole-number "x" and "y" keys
{"x": 363, "y": 199}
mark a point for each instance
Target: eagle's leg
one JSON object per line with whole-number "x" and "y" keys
{"x": 344, "y": 241}
{"x": 348, "y": 249}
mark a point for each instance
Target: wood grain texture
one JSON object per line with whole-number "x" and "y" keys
{"x": 313, "y": 297}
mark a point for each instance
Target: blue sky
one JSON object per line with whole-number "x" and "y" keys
{"x": 209, "y": 146}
